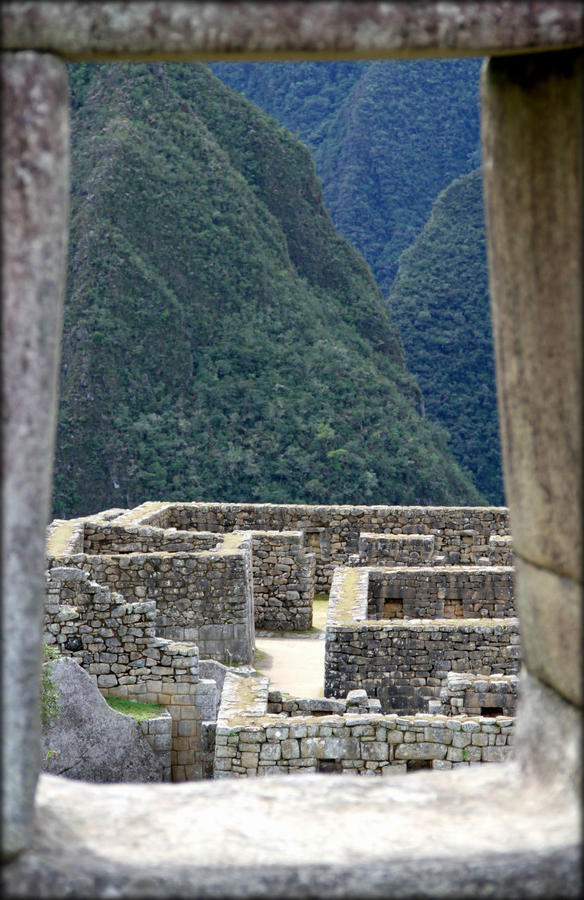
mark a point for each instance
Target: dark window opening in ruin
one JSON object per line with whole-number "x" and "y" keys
{"x": 413, "y": 765}
{"x": 453, "y": 609}
{"x": 491, "y": 711}
{"x": 393, "y": 608}
{"x": 329, "y": 766}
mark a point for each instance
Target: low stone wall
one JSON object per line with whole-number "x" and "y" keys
{"x": 445, "y": 592}
{"x": 486, "y": 695}
{"x": 501, "y": 550}
{"x": 461, "y": 534}
{"x": 108, "y": 538}
{"x": 355, "y": 702}
{"x": 403, "y": 663}
{"x": 283, "y": 581}
{"x": 203, "y": 598}
{"x": 251, "y": 742}
{"x": 394, "y": 550}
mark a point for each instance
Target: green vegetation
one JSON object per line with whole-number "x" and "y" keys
{"x": 260, "y": 659}
{"x": 138, "y": 711}
{"x": 221, "y": 341}
{"x": 49, "y": 690}
{"x": 319, "y": 611}
{"x": 440, "y": 302}
{"x": 386, "y": 137}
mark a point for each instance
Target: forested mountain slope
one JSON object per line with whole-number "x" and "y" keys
{"x": 440, "y": 303}
{"x": 386, "y": 137}
{"x": 221, "y": 341}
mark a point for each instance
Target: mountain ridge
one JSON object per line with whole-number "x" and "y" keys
{"x": 221, "y": 342}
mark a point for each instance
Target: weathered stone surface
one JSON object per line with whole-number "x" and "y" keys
{"x": 548, "y": 741}
{"x": 421, "y": 750}
{"x": 532, "y": 138}
{"x": 35, "y": 176}
{"x": 513, "y": 840}
{"x": 336, "y": 837}
{"x": 532, "y": 143}
{"x": 93, "y": 742}
{"x": 550, "y": 608}
{"x": 193, "y": 30}
{"x": 357, "y": 697}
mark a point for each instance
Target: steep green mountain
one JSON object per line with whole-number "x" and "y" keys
{"x": 221, "y": 341}
{"x": 386, "y": 138}
{"x": 440, "y": 302}
{"x": 303, "y": 96}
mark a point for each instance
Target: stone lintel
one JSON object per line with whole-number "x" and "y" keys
{"x": 288, "y": 30}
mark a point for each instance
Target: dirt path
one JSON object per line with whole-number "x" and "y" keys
{"x": 294, "y": 665}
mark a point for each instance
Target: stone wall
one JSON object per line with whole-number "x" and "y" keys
{"x": 204, "y": 598}
{"x": 446, "y": 592}
{"x": 356, "y": 701}
{"x": 251, "y": 742}
{"x": 283, "y": 572}
{"x": 403, "y": 663}
{"x": 394, "y": 550}
{"x": 501, "y": 550}
{"x": 115, "y": 642}
{"x": 112, "y": 639}
{"x": 108, "y": 538}
{"x": 158, "y": 733}
{"x": 189, "y": 704}
{"x": 461, "y": 534}
{"x": 476, "y": 695}
{"x": 283, "y": 581}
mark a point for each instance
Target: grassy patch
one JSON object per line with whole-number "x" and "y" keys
{"x": 347, "y": 602}
{"x": 259, "y": 657}
{"x": 319, "y": 612}
{"x": 132, "y": 708}
{"x": 49, "y": 690}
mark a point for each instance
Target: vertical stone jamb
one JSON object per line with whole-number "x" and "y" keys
{"x": 532, "y": 161}
{"x": 35, "y": 189}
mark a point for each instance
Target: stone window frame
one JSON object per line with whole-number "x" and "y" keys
{"x": 506, "y": 32}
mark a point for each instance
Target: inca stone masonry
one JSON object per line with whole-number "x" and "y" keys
{"x": 416, "y": 595}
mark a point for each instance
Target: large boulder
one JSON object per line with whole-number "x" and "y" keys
{"x": 92, "y": 741}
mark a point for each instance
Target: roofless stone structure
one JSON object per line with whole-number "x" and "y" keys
{"x": 510, "y": 831}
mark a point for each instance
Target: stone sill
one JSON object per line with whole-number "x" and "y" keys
{"x": 483, "y": 831}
